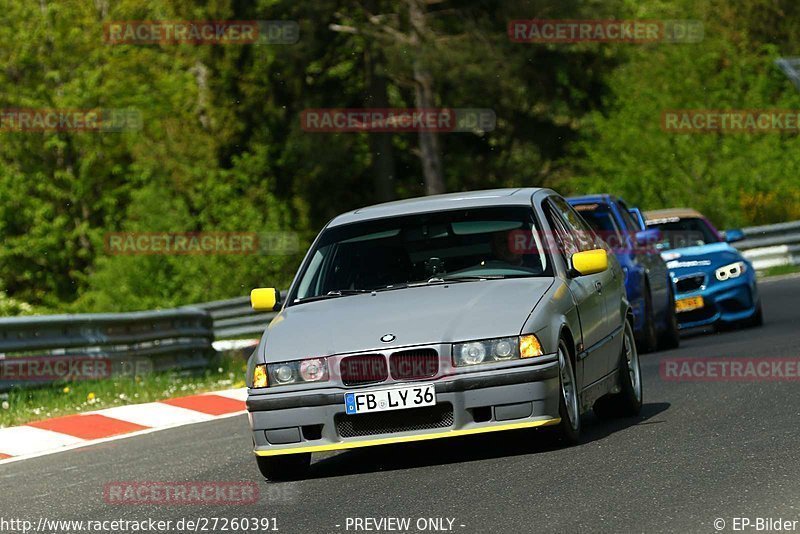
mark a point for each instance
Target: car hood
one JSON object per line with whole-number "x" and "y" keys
{"x": 702, "y": 258}
{"x": 417, "y": 315}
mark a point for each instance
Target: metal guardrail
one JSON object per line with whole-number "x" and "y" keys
{"x": 771, "y": 245}
{"x": 235, "y": 318}
{"x": 41, "y": 349}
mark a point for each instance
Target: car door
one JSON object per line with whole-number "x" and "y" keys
{"x": 586, "y": 290}
{"x": 654, "y": 267}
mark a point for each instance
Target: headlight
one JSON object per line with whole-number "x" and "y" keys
{"x": 470, "y": 353}
{"x": 734, "y": 270}
{"x": 496, "y": 350}
{"x": 298, "y": 372}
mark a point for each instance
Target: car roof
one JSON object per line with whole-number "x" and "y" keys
{"x": 469, "y": 199}
{"x": 672, "y": 213}
{"x": 588, "y": 199}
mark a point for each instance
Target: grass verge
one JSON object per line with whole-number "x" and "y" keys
{"x": 779, "y": 270}
{"x": 20, "y": 406}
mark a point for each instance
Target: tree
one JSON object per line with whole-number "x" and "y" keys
{"x": 736, "y": 178}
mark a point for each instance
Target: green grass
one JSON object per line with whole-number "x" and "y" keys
{"x": 779, "y": 270}
{"x": 21, "y": 406}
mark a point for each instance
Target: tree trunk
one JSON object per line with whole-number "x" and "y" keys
{"x": 428, "y": 141}
{"x": 380, "y": 143}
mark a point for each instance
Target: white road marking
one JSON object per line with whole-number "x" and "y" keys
{"x": 154, "y": 414}
{"x": 237, "y": 394}
{"x": 19, "y": 440}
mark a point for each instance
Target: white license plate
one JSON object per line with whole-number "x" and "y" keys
{"x": 383, "y": 400}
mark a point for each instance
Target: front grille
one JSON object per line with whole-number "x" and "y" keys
{"x": 363, "y": 369}
{"x": 690, "y": 283}
{"x": 370, "y": 424}
{"x": 413, "y": 364}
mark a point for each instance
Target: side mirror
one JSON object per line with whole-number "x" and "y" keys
{"x": 648, "y": 237}
{"x": 265, "y": 299}
{"x": 732, "y": 236}
{"x": 590, "y": 262}
{"x": 637, "y": 214}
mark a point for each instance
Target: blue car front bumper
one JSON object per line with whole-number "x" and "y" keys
{"x": 724, "y": 302}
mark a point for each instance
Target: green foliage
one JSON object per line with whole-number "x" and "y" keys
{"x": 735, "y": 178}
{"x": 10, "y": 307}
{"x": 221, "y": 148}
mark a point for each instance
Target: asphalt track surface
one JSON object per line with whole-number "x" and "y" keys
{"x": 699, "y": 452}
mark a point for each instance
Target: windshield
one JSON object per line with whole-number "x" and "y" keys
{"x": 681, "y": 233}
{"x": 395, "y": 252}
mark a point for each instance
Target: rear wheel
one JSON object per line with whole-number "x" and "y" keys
{"x": 628, "y": 402}
{"x": 284, "y": 467}
{"x": 568, "y": 407}
{"x": 671, "y": 338}
{"x": 649, "y": 341}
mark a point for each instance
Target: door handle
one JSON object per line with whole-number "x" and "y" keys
{"x": 598, "y": 286}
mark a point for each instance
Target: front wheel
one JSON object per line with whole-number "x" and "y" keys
{"x": 284, "y": 467}
{"x": 758, "y": 317}
{"x": 568, "y": 406}
{"x": 671, "y": 338}
{"x": 628, "y": 402}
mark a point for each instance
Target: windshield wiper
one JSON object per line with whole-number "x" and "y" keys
{"x": 333, "y": 294}
{"x": 446, "y": 279}
{"x": 476, "y": 278}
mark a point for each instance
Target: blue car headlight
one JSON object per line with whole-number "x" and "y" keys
{"x": 734, "y": 270}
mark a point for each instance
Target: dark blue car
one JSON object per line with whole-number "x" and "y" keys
{"x": 647, "y": 281}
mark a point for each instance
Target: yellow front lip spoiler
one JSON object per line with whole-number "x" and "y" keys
{"x": 407, "y": 439}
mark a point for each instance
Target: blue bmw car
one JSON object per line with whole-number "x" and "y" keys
{"x": 714, "y": 284}
{"x": 647, "y": 282}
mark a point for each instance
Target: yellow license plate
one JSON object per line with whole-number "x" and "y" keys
{"x": 692, "y": 303}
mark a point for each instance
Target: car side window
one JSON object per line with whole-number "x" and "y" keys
{"x": 631, "y": 224}
{"x": 584, "y": 236}
{"x": 567, "y": 245}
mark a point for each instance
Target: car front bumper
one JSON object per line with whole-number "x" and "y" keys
{"x": 469, "y": 403}
{"x": 725, "y": 302}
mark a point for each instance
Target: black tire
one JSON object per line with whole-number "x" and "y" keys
{"x": 569, "y": 429}
{"x": 284, "y": 467}
{"x": 628, "y": 402}
{"x": 758, "y": 317}
{"x": 671, "y": 337}
{"x": 649, "y": 340}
